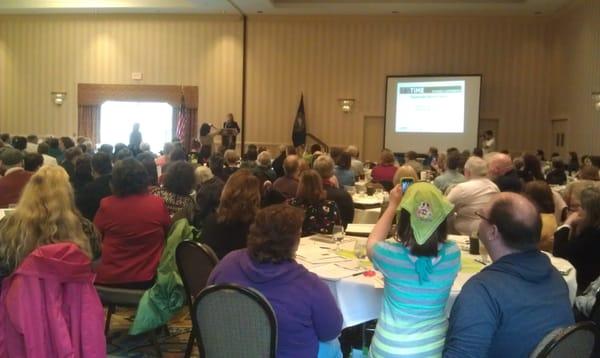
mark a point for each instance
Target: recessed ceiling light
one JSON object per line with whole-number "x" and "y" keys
{"x": 538, "y": 13}
{"x": 394, "y": 12}
{"x": 259, "y": 12}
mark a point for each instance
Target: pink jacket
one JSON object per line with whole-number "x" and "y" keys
{"x": 49, "y": 306}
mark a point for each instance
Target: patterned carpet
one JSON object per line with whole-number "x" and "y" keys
{"x": 172, "y": 343}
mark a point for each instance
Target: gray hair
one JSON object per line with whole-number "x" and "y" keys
{"x": 324, "y": 166}
{"x": 203, "y": 174}
{"x": 476, "y": 167}
{"x": 353, "y": 151}
{"x": 264, "y": 159}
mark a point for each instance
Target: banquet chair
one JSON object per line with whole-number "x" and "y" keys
{"x": 577, "y": 340}
{"x": 234, "y": 321}
{"x": 113, "y": 297}
{"x": 195, "y": 262}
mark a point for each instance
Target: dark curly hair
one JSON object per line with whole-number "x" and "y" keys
{"x": 179, "y": 178}
{"x": 129, "y": 177}
{"x": 275, "y": 233}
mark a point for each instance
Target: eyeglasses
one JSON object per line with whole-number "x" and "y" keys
{"x": 478, "y": 213}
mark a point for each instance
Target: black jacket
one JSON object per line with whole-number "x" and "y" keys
{"x": 581, "y": 251}
{"x": 344, "y": 202}
{"x": 88, "y": 198}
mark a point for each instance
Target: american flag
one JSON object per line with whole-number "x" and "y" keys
{"x": 182, "y": 122}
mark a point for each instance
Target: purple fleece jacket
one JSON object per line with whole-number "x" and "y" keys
{"x": 305, "y": 309}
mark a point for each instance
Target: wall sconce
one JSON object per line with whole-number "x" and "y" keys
{"x": 58, "y": 97}
{"x": 346, "y": 104}
{"x": 596, "y": 97}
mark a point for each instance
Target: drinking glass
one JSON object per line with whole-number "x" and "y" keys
{"x": 337, "y": 234}
{"x": 360, "y": 248}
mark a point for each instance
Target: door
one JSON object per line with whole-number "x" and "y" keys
{"x": 372, "y": 138}
{"x": 559, "y": 137}
{"x": 488, "y": 124}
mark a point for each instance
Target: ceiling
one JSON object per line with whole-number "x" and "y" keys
{"x": 288, "y": 7}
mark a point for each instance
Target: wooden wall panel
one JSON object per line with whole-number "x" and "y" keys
{"x": 328, "y": 58}
{"x": 574, "y": 52}
{"x": 41, "y": 54}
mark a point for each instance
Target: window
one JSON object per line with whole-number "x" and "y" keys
{"x": 117, "y": 120}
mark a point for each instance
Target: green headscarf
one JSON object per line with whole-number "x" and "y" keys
{"x": 427, "y": 208}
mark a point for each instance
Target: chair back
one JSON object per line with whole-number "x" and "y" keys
{"x": 233, "y": 321}
{"x": 577, "y": 340}
{"x": 195, "y": 262}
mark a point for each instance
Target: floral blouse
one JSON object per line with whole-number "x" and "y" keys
{"x": 318, "y": 218}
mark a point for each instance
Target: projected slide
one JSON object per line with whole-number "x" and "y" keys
{"x": 430, "y": 107}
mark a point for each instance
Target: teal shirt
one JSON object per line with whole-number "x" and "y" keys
{"x": 412, "y": 322}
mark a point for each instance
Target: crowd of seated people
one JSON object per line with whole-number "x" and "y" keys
{"x": 114, "y": 205}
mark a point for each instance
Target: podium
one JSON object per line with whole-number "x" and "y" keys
{"x": 228, "y": 137}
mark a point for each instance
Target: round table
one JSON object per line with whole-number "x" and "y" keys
{"x": 367, "y": 208}
{"x": 359, "y": 297}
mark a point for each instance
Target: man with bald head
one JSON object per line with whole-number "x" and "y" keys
{"x": 507, "y": 308}
{"x": 287, "y": 185}
{"x": 503, "y": 173}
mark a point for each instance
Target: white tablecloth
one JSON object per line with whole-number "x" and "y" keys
{"x": 359, "y": 299}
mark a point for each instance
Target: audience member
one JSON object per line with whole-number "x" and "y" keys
{"x": 232, "y": 161}
{"x": 558, "y": 175}
{"x": 216, "y": 163}
{"x": 208, "y": 193}
{"x": 82, "y": 174}
{"x": 15, "y": 177}
{"x": 278, "y": 162}
{"x": 32, "y": 162}
{"x": 356, "y": 165}
{"x": 577, "y": 240}
{"x": 64, "y": 143}
{"x": 227, "y": 229}
{"x": 70, "y": 157}
{"x": 320, "y": 214}
{"x": 54, "y": 150}
{"x": 498, "y": 312}
{"x": 288, "y": 184}
{"x": 5, "y": 138}
{"x": 451, "y": 176}
{"x": 573, "y": 165}
{"x": 471, "y": 196}
{"x": 411, "y": 160}
{"x": 419, "y": 268}
{"x": 540, "y": 155}
{"x": 306, "y": 327}
{"x": 250, "y": 157}
{"x": 177, "y": 189}
{"x": 19, "y": 143}
{"x": 404, "y": 171}
{"x": 503, "y": 173}
{"x": 45, "y": 214}
{"x": 343, "y": 172}
{"x": 163, "y": 159}
{"x": 118, "y": 148}
{"x": 323, "y": 165}
{"x": 107, "y": 148}
{"x": 432, "y": 157}
{"x": 43, "y": 149}
{"x": 263, "y": 165}
{"x": 133, "y": 225}
{"x": 540, "y": 194}
{"x": 88, "y": 199}
{"x": 532, "y": 168}
{"x": 588, "y": 178}
{"x": 122, "y": 154}
{"x": 478, "y": 152}
{"x": 385, "y": 170}
{"x": 152, "y": 170}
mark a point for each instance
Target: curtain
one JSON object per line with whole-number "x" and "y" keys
{"x": 191, "y": 129}
{"x": 88, "y": 123}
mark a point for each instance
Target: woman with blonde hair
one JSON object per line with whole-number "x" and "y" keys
{"x": 45, "y": 214}
{"x": 405, "y": 171}
{"x": 320, "y": 214}
{"x": 227, "y": 229}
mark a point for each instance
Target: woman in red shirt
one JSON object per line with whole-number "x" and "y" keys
{"x": 384, "y": 172}
{"x": 133, "y": 224}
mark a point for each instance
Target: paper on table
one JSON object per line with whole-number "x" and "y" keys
{"x": 316, "y": 255}
{"x": 359, "y": 228}
{"x": 335, "y": 272}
